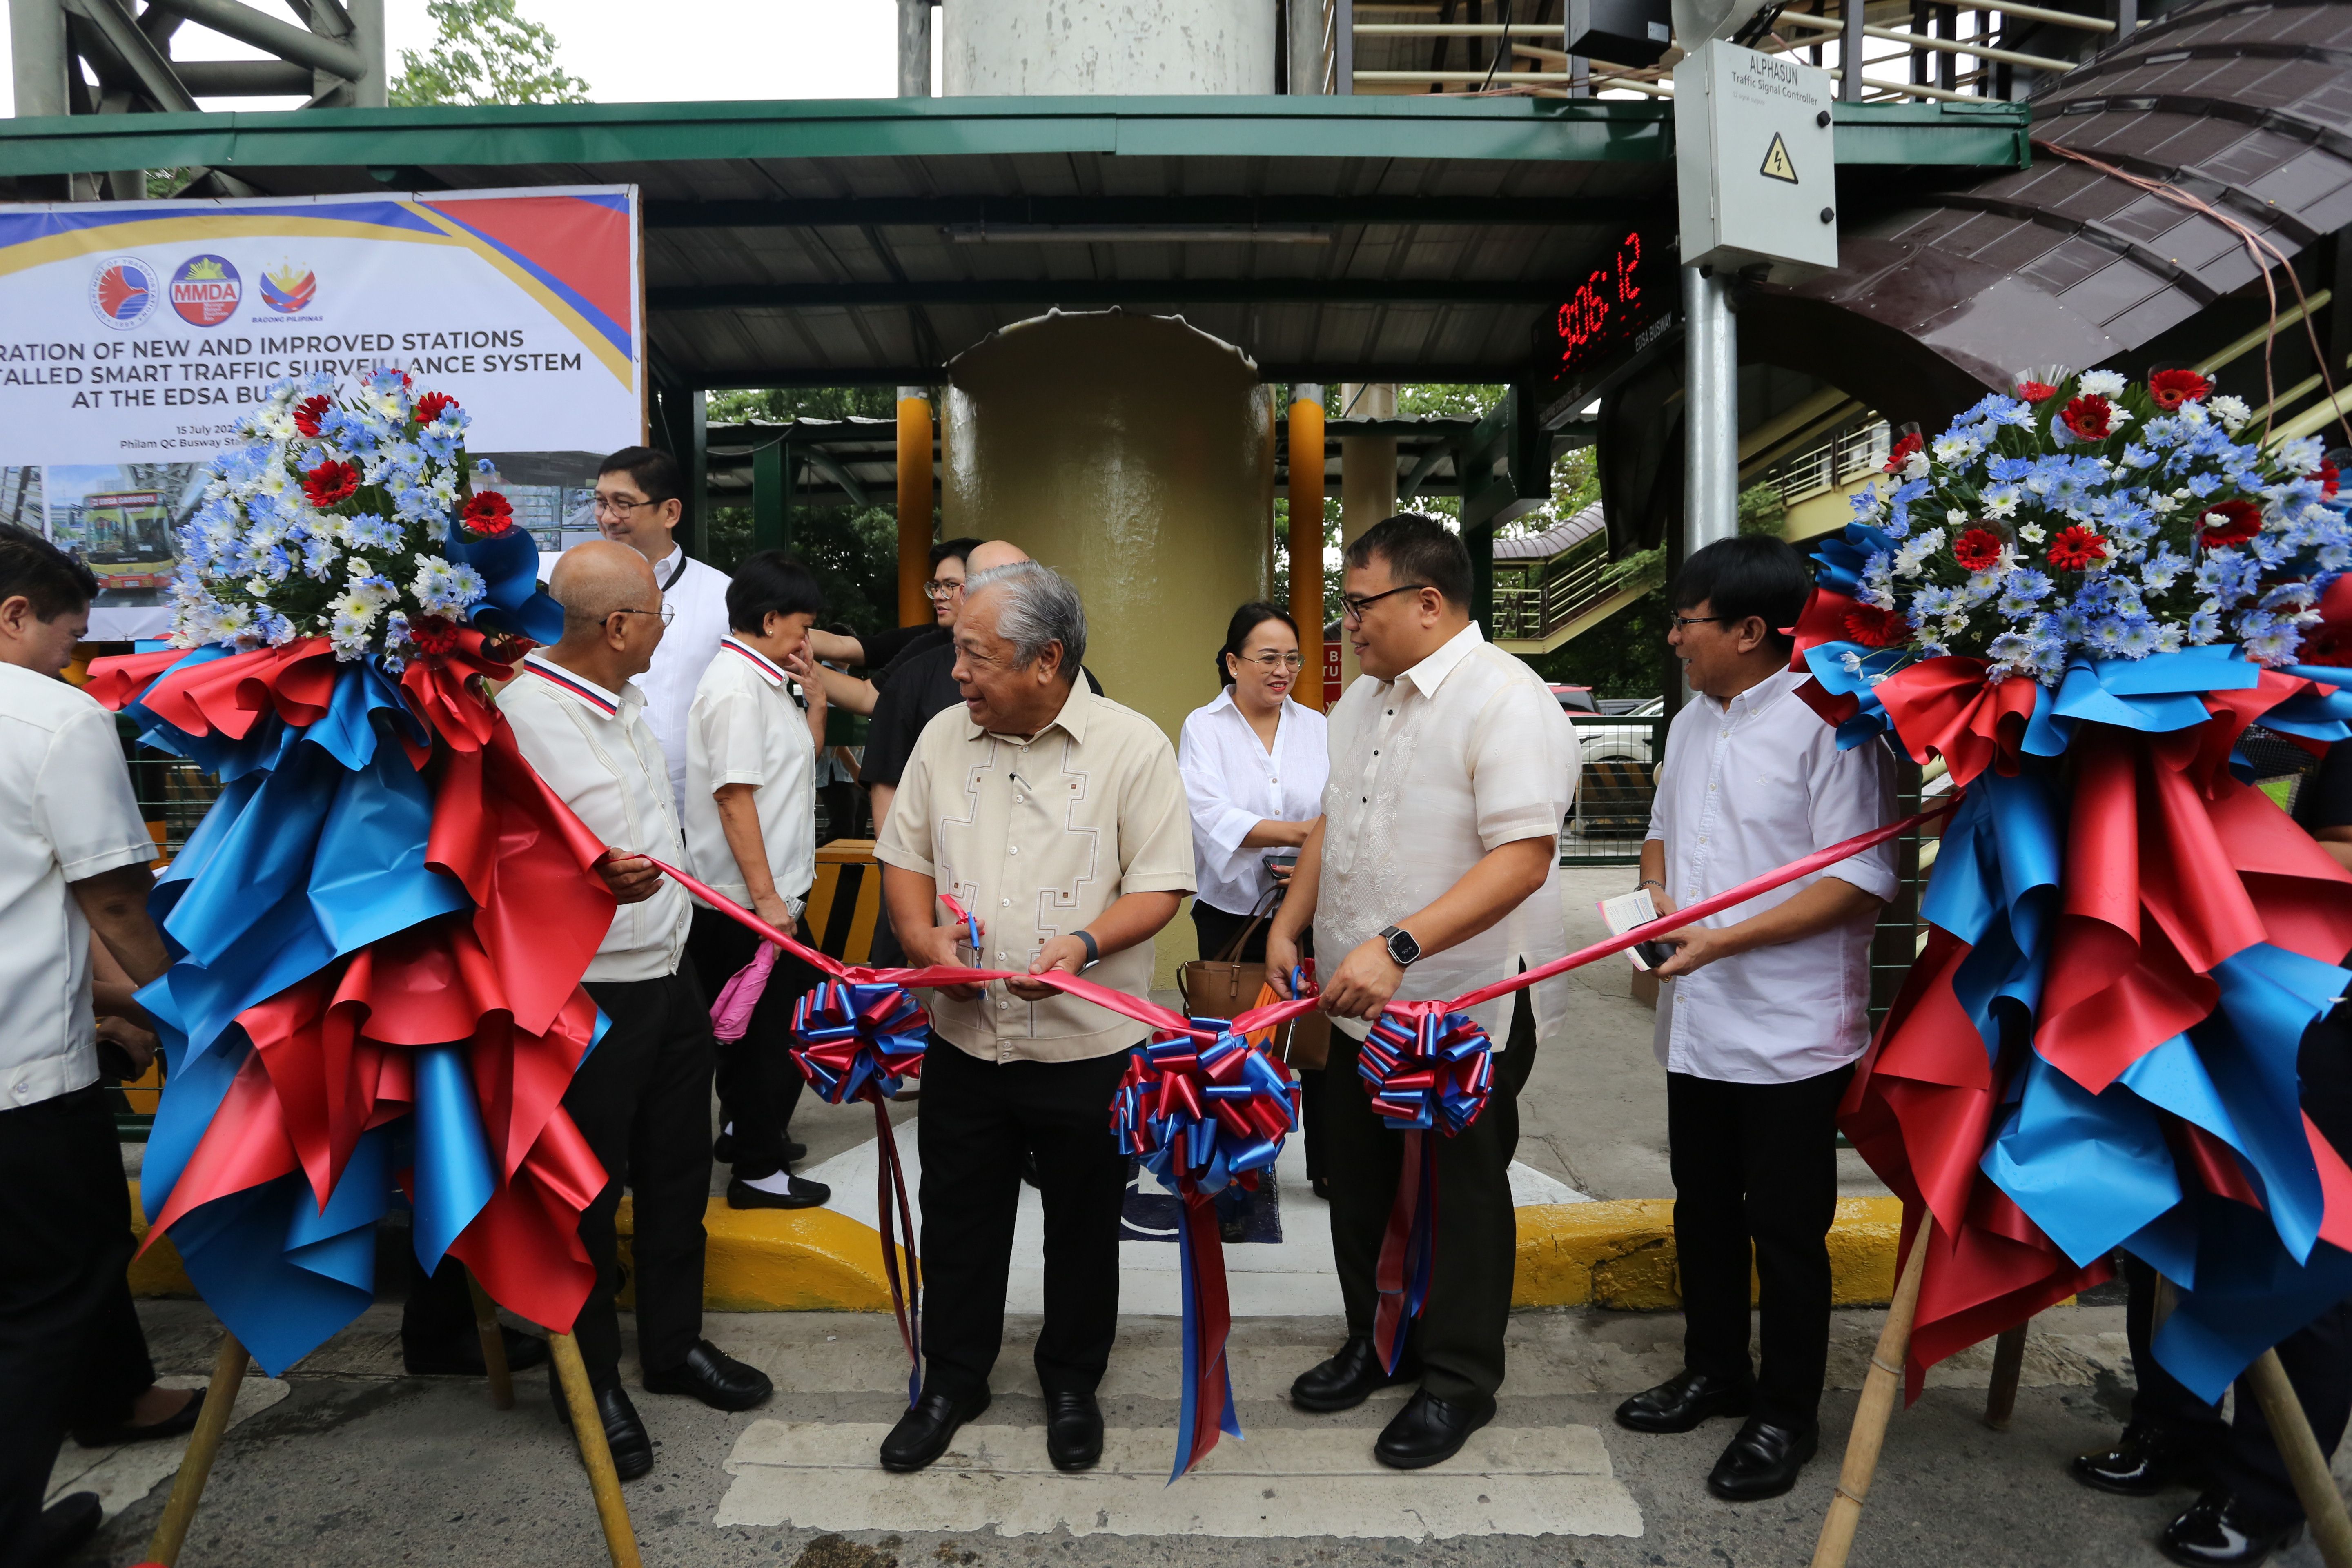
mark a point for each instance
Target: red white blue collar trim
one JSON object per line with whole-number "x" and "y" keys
{"x": 769, "y": 670}
{"x": 554, "y": 675}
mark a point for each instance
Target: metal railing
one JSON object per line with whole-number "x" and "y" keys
{"x": 1844, "y": 458}
{"x": 1531, "y": 607}
{"x": 1616, "y": 780}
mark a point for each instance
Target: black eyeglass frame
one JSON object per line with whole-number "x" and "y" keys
{"x": 1353, "y": 609}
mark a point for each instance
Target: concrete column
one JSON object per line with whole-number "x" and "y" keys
{"x": 1368, "y": 480}
{"x": 1710, "y": 410}
{"x": 1307, "y": 534}
{"x": 914, "y": 503}
{"x": 915, "y": 50}
{"x": 37, "y": 38}
{"x": 1304, "y": 20}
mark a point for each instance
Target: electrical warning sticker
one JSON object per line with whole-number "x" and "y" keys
{"x": 1777, "y": 162}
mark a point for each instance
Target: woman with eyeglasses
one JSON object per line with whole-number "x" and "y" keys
{"x": 1254, "y": 763}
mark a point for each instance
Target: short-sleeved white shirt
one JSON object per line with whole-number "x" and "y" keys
{"x": 66, "y": 815}
{"x": 1462, "y": 753}
{"x": 1234, "y": 783}
{"x": 744, "y": 728}
{"x": 1749, "y": 786}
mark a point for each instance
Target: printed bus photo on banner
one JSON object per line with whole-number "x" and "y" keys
{"x": 133, "y": 334}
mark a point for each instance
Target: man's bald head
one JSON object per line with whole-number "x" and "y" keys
{"x": 988, "y": 556}
{"x": 592, "y": 580}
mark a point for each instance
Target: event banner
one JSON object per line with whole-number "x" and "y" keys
{"x": 132, "y": 334}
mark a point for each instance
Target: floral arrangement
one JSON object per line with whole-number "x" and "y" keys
{"x": 355, "y": 515}
{"x": 2089, "y": 518}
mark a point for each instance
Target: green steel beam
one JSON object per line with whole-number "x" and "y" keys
{"x": 1068, "y": 292}
{"x": 1155, "y": 211}
{"x": 584, "y": 137}
{"x": 772, "y": 497}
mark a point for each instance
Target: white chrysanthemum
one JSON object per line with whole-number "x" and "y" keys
{"x": 1913, "y": 556}
{"x": 2231, "y": 412}
{"x": 2163, "y": 506}
{"x": 2101, "y": 383}
{"x": 2032, "y": 532}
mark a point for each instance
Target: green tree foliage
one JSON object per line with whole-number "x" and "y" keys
{"x": 484, "y": 52}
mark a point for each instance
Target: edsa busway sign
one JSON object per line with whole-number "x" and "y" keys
{"x": 1755, "y": 168}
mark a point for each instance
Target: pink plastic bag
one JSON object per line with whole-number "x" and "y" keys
{"x": 731, "y": 1015}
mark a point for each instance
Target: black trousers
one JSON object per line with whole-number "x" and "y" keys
{"x": 978, "y": 1117}
{"x": 642, "y": 1102}
{"x": 1458, "y": 1339}
{"x": 758, "y": 1086}
{"x": 71, "y": 1351}
{"x": 1757, "y": 1163}
{"x": 1217, "y": 927}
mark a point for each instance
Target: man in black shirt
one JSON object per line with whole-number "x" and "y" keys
{"x": 883, "y": 653}
{"x": 2248, "y": 1508}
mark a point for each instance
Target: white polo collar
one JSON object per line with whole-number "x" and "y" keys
{"x": 1430, "y": 673}
{"x": 586, "y": 692}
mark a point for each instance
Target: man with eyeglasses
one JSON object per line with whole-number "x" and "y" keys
{"x": 642, "y": 1097}
{"x": 1432, "y": 873}
{"x": 884, "y": 654}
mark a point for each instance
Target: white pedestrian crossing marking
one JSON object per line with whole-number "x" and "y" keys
{"x": 1281, "y": 1481}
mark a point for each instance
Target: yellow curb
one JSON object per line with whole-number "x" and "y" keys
{"x": 1618, "y": 1254}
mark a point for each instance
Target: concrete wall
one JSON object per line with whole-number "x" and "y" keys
{"x": 1088, "y": 46}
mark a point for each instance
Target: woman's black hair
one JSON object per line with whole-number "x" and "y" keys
{"x": 771, "y": 583}
{"x": 1248, "y": 619}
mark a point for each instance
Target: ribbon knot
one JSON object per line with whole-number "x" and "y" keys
{"x": 1427, "y": 1071}
{"x": 859, "y": 1041}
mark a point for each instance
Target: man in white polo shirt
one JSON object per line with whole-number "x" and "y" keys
{"x": 74, "y": 857}
{"x": 642, "y": 1097}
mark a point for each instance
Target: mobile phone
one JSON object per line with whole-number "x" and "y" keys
{"x": 1285, "y": 858}
{"x": 1655, "y": 953}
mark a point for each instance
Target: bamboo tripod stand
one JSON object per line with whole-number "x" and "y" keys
{"x": 587, "y": 1425}
{"x": 2314, "y": 1488}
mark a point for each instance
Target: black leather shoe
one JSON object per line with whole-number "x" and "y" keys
{"x": 1073, "y": 1431}
{"x": 923, "y": 1434}
{"x": 1347, "y": 1379}
{"x": 714, "y": 1378}
{"x": 1762, "y": 1461}
{"x": 172, "y": 1426}
{"x": 462, "y": 1357}
{"x": 1682, "y": 1400}
{"x": 64, "y": 1527}
{"x": 2148, "y": 1458}
{"x": 624, "y": 1433}
{"x": 2217, "y": 1529}
{"x": 806, "y": 1194}
{"x": 1429, "y": 1430}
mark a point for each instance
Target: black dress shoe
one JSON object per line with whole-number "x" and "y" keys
{"x": 1073, "y": 1431}
{"x": 714, "y": 1378}
{"x": 624, "y": 1433}
{"x": 2218, "y": 1529}
{"x": 1682, "y": 1400}
{"x": 1347, "y": 1379}
{"x": 1762, "y": 1461}
{"x": 2148, "y": 1458}
{"x": 462, "y": 1357}
{"x": 923, "y": 1434}
{"x": 180, "y": 1420}
{"x": 1429, "y": 1430}
{"x": 64, "y": 1527}
{"x": 804, "y": 1194}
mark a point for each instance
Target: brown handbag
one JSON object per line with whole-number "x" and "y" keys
{"x": 1224, "y": 987}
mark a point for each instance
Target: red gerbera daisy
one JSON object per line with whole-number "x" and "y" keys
{"x": 2172, "y": 388}
{"x": 2036, "y": 391}
{"x": 331, "y": 482}
{"x": 429, "y": 407}
{"x": 2328, "y": 478}
{"x": 2076, "y": 547}
{"x": 1903, "y": 451}
{"x": 2228, "y": 522}
{"x": 1874, "y": 627}
{"x": 2090, "y": 417}
{"x": 488, "y": 514}
{"x": 308, "y": 412}
{"x": 433, "y": 634}
{"x": 1978, "y": 549}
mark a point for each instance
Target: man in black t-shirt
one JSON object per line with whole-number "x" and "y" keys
{"x": 2248, "y": 1508}
{"x": 881, "y": 653}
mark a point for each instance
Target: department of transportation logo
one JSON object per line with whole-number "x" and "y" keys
{"x": 123, "y": 292}
{"x": 287, "y": 288}
{"x": 206, "y": 290}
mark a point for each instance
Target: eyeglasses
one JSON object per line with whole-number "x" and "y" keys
{"x": 607, "y": 506}
{"x": 940, "y": 588}
{"x": 1272, "y": 661}
{"x": 1353, "y": 606}
{"x": 1683, "y": 622}
{"x": 668, "y": 613}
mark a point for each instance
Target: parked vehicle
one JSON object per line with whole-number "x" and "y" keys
{"x": 1617, "y": 753}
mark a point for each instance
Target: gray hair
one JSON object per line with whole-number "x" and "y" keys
{"x": 1040, "y": 606}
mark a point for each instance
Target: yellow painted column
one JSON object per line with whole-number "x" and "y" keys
{"x": 914, "y": 503}
{"x": 1368, "y": 482}
{"x": 1307, "y": 534}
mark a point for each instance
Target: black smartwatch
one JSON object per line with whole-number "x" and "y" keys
{"x": 1400, "y": 945}
{"x": 1094, "y": 954}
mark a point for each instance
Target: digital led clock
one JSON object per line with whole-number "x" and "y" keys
{"x": 1602, "y": 320}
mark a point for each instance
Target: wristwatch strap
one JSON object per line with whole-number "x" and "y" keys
{"x": 1094, "y": 954}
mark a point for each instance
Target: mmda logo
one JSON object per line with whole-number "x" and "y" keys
{"x": 206, "y": 290}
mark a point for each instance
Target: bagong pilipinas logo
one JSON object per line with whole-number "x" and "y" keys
{"x": 123, "y": 292}
{"x": 286, "y": 289}
{"x": 206, "y": 290}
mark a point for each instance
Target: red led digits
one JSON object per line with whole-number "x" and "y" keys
{"x": 1606, "y": 308}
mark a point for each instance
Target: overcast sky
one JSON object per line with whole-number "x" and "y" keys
{"x": 632, "y": 51}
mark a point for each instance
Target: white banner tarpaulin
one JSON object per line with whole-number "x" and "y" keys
{"x": 133, "y": 335}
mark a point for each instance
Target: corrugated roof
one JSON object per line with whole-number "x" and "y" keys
{"x": 1552, "y": 540}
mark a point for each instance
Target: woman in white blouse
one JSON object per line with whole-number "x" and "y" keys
{"x": 1254, "y": 764}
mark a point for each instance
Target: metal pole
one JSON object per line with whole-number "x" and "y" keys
{"x": 1343, "y": 46}
{"x": 1307, "y": 535}
{"x": 1850, "y": 51}
{"x": 1305, "y": 23}
{"x": 914, "y": 503}
{"x": 37, "y": 36}
{"x": 367, "y": 38}
{"x": 1710, "y": 410}
{"x": 914, "y": 49}
{"x": 769, "y": 531}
